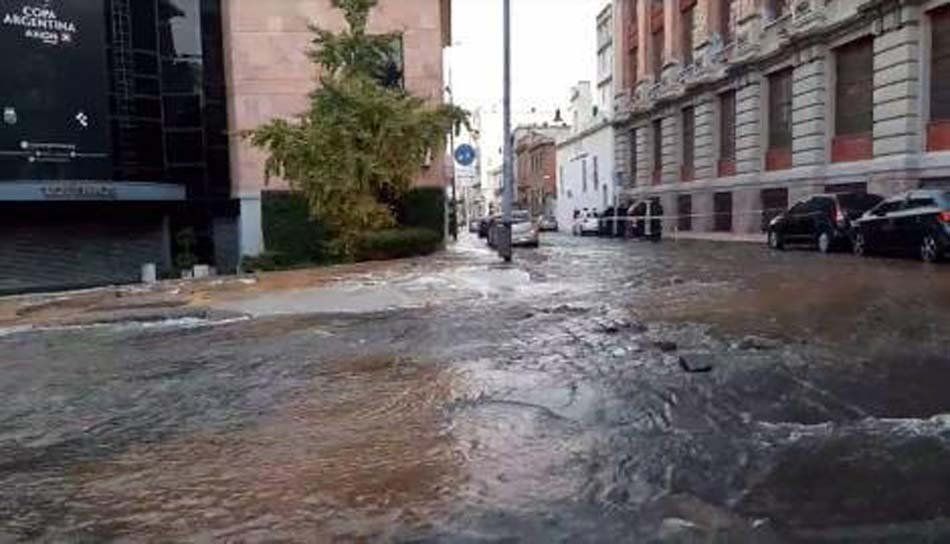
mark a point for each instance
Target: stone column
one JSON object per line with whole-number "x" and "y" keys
{"x": 671, "y": 149}
{"x": 704, "y": 160}
{"x": 897, "y": 86}
{"x": 809, "y": 113}
{"x": 672, "y": 19}
{"x": 749, "y": 126}
{"x": 645, "y": 44}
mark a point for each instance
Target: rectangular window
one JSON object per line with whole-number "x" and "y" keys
{"x": 561, "y": 178}
{"x": 940, "y": 65}
{"x": 633, "y": 157}
{"x": 686, "y": 27}
{"x": 584, "y": 174}
{"x": 854, "y": 90}
{"x": 657, "y": 150}
{"x": 689, "y": 142}
{"x": 722, "y": 209}
{"x": 727, "y": 133}
{"x": 938, "y": 131}
{"x": 596, "y": 174}
{"x": 780, "y": 109}
{"x": 684, "y": 212}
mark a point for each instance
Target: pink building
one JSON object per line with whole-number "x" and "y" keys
{"x": 269, "y": 75}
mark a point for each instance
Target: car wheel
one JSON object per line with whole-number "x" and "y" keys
{"x": 825, "y": 242}
{"x": 859, "y": 246}
{"x": 775, "y": 240}
{"x": 929, "y": 250}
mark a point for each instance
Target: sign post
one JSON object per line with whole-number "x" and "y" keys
{"x": 504, "y": 247}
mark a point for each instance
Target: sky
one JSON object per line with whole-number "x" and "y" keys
{"x": 553, "y": 47}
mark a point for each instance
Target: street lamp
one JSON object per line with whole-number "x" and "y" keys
{"x": 504, "y": 243}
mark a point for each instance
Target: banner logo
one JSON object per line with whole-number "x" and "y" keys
{"x": 39, "y": 21}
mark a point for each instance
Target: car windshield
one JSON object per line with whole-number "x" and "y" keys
{"x": 857, "y": 201}
{"x": 520, "y": 217}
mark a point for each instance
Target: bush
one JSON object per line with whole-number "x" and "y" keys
{"x": 424, "y": 208}
{"x": 398, "y": 244}
{"x": 270, "y": 261}
{"x": 291, "y": 236}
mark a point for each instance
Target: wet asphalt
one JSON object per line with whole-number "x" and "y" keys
{"x": 594, "y": 391}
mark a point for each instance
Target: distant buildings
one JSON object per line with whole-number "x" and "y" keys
{"x": 536, "y": 167}
{"x": 585, "y": 160}
{"x": 585, "y": 156}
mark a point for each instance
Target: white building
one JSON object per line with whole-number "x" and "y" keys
{"x": 605, "y": 60}
{"x": 585, "y": 159}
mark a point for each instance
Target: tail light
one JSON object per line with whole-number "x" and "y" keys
{"x": 840, "y": 217}
{"x": 945, "y": 217}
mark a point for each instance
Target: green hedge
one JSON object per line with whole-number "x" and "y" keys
{"x": 398, "y": 244}
{"x": 291, "y": 236}
{"x": 423, "y": 208}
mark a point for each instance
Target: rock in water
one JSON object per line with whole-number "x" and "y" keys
{"x": 697, "y": 362}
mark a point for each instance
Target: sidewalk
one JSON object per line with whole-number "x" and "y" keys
{"x": 173, "y": 299}
{"x": 719, "y": 237}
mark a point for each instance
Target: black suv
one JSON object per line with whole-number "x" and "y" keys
{"x": 915, "y": 222}
{"x": 821, "y": 220}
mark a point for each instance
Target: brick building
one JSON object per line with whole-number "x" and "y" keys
{"x": 536, "y": 168}
{"x": 730, "y": 110}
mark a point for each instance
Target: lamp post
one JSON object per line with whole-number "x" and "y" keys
{"x": 504, "y": 245}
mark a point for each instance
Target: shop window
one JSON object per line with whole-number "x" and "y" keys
{"x": 684, "y": 212}
{"x": 722, "y": 210}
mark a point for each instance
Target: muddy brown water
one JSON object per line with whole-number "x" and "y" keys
{"x": 536, "y": 403}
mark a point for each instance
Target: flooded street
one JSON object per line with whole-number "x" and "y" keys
{"x": 595, "y": 391}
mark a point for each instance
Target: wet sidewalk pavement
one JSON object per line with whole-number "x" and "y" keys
{"x": 456, "y": 399}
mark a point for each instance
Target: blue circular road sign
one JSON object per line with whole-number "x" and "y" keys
{"x": 465, "y": 155}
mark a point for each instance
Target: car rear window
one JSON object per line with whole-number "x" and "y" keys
{"x": 859, "y": 201}
{"x": 520, "y": 217}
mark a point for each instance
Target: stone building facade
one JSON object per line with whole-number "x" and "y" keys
{"x": 731, "y": 110}
{"x": 270, "y": 76}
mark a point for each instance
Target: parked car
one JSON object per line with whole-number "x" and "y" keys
{"x": 612, "y": 222}
{"x": 645, "y": 220}
{"x": 824, "y": 220}
{"x": 524, "y": 231}
{"x": 915, "y": 222}
{"x": 474, "y": 225}
{"x": 586, "y": 223}
{"x": 484, "y": 225}
{"x": 547, "y": 223}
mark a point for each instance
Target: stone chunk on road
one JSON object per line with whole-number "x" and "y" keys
{"x": 697, "y": 362}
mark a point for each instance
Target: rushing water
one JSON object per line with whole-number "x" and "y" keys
{"x": 460, "y": 400}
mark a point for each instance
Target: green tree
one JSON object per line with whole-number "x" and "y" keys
{"x": 359, "y": 146}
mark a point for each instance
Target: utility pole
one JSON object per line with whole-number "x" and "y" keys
{"x": 504, "y": 243}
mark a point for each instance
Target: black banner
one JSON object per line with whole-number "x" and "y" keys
{"x": 54, "y": 90}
